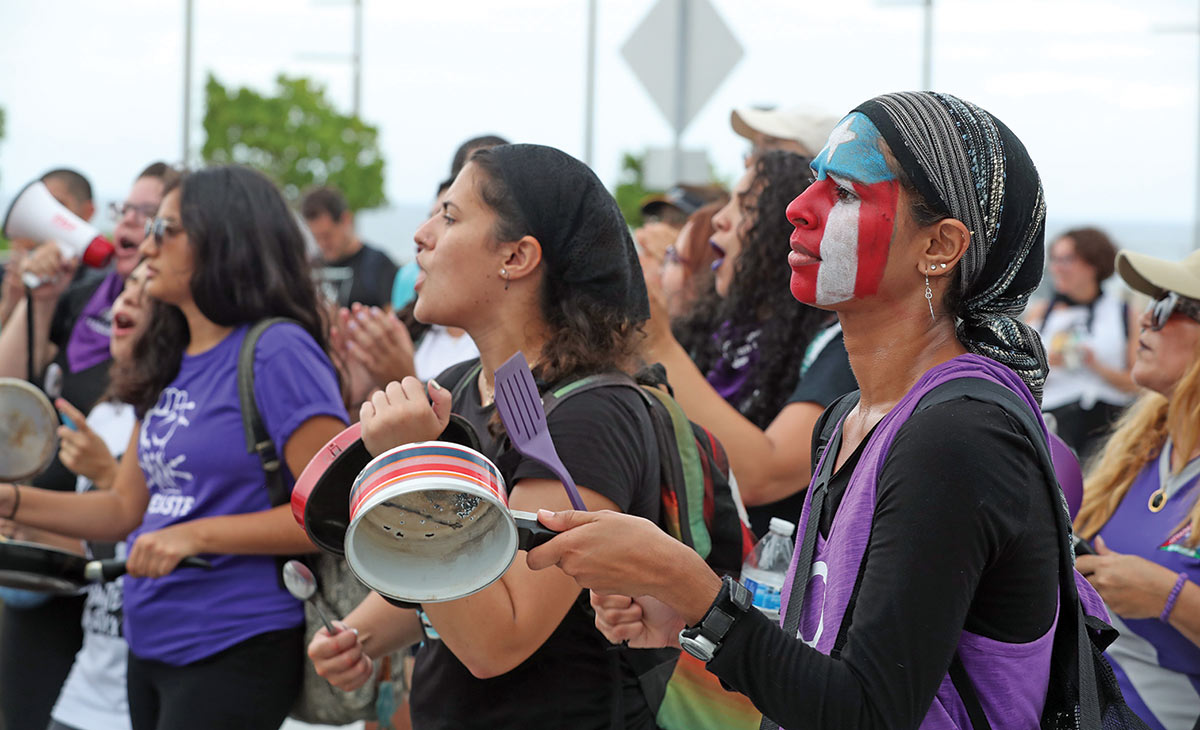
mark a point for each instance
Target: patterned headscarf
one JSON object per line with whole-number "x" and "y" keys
{"x": 965, "y": 163}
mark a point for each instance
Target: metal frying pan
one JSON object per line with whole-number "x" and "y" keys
{"x": 50, "y": 570}
{"x": 28, "y": 430}
{"x": 321, "y": 495}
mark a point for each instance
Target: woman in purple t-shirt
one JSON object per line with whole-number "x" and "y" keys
{"x": 219, "y": 648}
{"x": 1140, "y": 504}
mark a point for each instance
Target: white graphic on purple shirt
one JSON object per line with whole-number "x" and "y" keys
{"x": 164, "y": 473}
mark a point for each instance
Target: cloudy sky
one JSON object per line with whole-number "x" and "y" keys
{"x": 1103, "y": 92}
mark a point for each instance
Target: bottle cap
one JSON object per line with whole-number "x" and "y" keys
{"x": 782, "y": 526}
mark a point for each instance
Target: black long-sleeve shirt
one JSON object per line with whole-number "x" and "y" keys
{"x": 963, "y": 537}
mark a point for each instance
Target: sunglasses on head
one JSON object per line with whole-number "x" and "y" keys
{"x": 1162, "y": 308}
{"x": 159, "y": 227}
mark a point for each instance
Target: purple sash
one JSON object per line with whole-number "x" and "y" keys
{"x": 88, "y": 343}
{"x": 1009, "y": 679}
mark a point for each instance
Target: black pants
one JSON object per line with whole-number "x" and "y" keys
{"x": 37, "y": 649}
{"x": 249, "y": 686}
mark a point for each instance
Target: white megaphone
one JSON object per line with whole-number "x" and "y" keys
{"x": 35, "y": 214}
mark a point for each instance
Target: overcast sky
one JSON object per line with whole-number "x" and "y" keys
{"x": 1102, "y": 92}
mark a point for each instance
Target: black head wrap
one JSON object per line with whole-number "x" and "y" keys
{"x": 584, "y": 239}
{"x": 965, "y": 163}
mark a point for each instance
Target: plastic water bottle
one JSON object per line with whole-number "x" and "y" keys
{"x": 766, "y": 567}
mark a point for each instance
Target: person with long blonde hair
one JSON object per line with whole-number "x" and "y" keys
{"x": 1140, "y": 506}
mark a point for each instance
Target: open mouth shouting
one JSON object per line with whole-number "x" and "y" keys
{"x": 720, "y": 252}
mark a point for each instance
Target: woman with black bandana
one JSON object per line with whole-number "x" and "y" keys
{"x": 938, "y": 539}
{"x": 527, "y": 253}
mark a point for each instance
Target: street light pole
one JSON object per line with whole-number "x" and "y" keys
{"x": 681, "y": 78}
{"x": 927, "y": 56}
{"x": 187, "y": 82}
{"x": 589, "y": 101}
{"x": 357, "y": 58}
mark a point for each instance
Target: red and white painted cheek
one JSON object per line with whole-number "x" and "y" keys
{"x": 852, "y": 248}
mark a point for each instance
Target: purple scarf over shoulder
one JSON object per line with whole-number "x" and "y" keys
{"x": 1009, "y": 679}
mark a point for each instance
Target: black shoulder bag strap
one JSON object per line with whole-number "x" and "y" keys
{"x": 989, "y": 392}
{"x": 258, "y": 440}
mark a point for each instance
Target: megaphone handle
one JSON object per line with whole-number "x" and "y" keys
{"x": 31, "y": 280}
{"x": 531, "y": 533}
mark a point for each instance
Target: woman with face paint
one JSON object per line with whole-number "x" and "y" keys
{"x": 927, "y": 534}
{"x": 740, "y": 357}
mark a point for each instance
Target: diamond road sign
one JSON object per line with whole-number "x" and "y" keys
{"x": 711, "y": 51}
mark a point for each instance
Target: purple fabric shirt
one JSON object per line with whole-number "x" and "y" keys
{"x": 1158, "y": 667}
{"x": 1010, "y": 679}
{"x": 731, "y": 371}
{"x": 88, "y": 344}
{"x": 192, "y": 451}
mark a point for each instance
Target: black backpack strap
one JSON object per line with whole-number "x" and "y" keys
{"x": 990, "y": 392}
{"x": 258, "y": 440}
{"x": 966, "y": 693}
{"x": 829, "y": 421}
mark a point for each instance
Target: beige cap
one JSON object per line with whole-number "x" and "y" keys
{"x": 1154, "y": 276}
{"x": 810, "y": 127}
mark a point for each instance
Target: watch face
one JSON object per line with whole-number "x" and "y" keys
{"x": 697, "y": 645}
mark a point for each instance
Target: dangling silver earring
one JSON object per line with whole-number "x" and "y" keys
{"x": 929, "y": 297}
{"x": 504, "y": 273}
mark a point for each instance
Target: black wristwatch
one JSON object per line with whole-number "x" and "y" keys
{"x": 703, "y": 639}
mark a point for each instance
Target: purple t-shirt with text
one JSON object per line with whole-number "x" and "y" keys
{"x": 192, "y": 450}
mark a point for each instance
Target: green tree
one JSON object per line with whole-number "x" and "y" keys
{"x": 296, "y": 137}
{"x": 632, "y": 189}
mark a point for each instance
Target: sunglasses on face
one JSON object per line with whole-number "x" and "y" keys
{"x": 160, "y": 227}
{"x": 1162, "y": 308}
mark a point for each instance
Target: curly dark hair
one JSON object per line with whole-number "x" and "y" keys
{"x": 587, "y": 335}
{"x": 250, "y": 264}
{"x": 759, "y": 305}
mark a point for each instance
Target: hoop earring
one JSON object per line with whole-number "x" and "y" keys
{"x": 929, "y": 297}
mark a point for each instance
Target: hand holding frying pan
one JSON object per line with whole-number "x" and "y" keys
{"x": 403, "y": 413}
{"x": 40, "y": 568}
{"x": 155, "y": 554}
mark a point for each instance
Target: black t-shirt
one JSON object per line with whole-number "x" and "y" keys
{"x": 963, "y": 537}
{"x": 828, "y": 378}
{"x": 81, "y": 389}
{"x": 605, "y": 439}
{"x": 365, "y": 276}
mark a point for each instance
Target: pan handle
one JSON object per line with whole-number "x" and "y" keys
{"x": 100, "y": 571}
{"x": 530, "y": 532}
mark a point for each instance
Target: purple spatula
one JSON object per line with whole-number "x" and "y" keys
{"x": 523, "y": 417}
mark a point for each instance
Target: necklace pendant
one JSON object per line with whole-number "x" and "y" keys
{"x": 1158, "y": 500}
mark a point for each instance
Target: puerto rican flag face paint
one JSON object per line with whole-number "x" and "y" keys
{"x": 844, "y": 220}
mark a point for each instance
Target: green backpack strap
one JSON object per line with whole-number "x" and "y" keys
{"x": 679, "y": 456}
